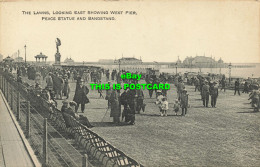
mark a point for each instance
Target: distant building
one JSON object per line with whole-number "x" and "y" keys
{"x": 8, "y": 60}
{"x": 69, "y": 61}
{"x": 41, "y": 59}
{"x": 106, "y": 61}
{"x": 128, "y": 60}
{"x": 220, "y": 61}
{"x": 203, "y": 62}
{"x": 178, "y": 61}
{"x": 18, "y": 59}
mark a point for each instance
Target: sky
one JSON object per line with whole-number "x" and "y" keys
{"x": 161, "y": 31}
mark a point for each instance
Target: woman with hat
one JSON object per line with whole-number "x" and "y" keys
{"x": 115, "y": 106}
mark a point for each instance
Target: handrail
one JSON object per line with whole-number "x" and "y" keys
{"x": 92, "y": 142}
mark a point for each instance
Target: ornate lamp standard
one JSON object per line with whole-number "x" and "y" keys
{"x": 25, "y": 53}
{"x": 176, "y": 65}
{"x": 119, "y": 62}
{"x": 229, "y": 72}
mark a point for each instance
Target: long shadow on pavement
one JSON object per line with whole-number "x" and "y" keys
{"x": 157, "y": 115}
{"x": 108, "y": 124}
{"x": 250, "y": 112}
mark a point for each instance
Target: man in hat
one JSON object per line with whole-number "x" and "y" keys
{"x": 65, "y": 105}
{"x": 184, "y": 102}
{"x": 49, "y": 81}
{"x": 80, "y": 96}
{"x": 66, "y": 88}
{"x": 205, "y": 94}
{"x": 237, "y": 87}
{"x": 115, "y": 106}
{"x": 180, "y": 88}
{"x": 214, "y": 94}
{"x": 82, "y": 119}
{"x": 108, "y": 94}
{"x": 131, "y": 96}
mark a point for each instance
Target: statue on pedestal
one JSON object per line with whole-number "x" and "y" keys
{"x": 57, "y": 55}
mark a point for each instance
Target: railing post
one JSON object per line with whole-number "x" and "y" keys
{"x": 7, "y": 91}
{"x": 12, "y": 97}
{"x": 28, "y": 120}
{"x": 85, "y": 160}
{"x": 18, "y": 106}
{"x": 4, "y": 86}
{"x": 1, "y": 76}
{"x": 45, "y": 143}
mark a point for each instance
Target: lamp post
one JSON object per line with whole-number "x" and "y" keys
{"x": 119, "y": 65}
{"x": 176, "y": 67}
{"x": 25, "y": 53}
{"x": 229, "y": 67}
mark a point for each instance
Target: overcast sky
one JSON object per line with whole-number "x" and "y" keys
{"x": 160, "y": 31}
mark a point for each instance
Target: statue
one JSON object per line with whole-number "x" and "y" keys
{"x": 57, "y": 55}
{"x": 58, "y": 43}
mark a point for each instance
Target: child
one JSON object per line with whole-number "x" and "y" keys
{"x": 164, "y": 106}
{"x": 176, "y": 106}
{"x": 159, "y": 101}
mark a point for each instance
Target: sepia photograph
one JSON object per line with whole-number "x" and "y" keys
{"x": 117, "y": 83}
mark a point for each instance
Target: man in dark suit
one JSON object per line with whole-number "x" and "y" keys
{"x": 80, "y": 96}
{"x": 214, "y": 94}
{"x": 237, "y": 87}
{"x": 205, "y": 94}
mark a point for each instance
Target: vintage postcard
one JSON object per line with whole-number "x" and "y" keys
{"x": 130, "y": 83}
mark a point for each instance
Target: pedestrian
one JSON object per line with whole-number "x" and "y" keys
{"x": 38, "y": 78}
{"x": 180, "y": 88}
{"x": 196, "y": 83}
{"x": 176, "y": 106}
{"x": 184, "y": 102}
{"x": 66, "y": 88}
{"x": 159, "y": 101}
{"x": 214, "y": 94}
{"x": 164, "y": 106}
{"x": 131, "y": 102}
{"x": 108, "y": 94}
{"x": 124, "y": 102}
{"x": 223, "y": 84}
{"x": 140, "y": 100}
{"x": 80, "y": 96}
{"x": 49, "y": 81}
{"x": 237, "y": 84}
{"x": 205, "y": 94}
{"x": 65, "y": 105}
{"x": 246, "y": 88}
{"x": 71, "y": 111}
{"x": 115, "y": 106}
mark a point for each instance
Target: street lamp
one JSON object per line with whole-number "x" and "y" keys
{"x": 25, "y": 53}
{"x": 229, "y": 67}
{"x": 119, "y": 65}
{"x": 176, "y": 67}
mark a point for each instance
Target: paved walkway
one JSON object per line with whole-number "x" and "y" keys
{"x": 224, "y": 136}
{"x": 12, "y": 150}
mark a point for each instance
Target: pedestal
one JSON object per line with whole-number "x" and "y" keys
{"x": 57, "y": 58}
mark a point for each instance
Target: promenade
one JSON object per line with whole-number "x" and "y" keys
{"x": 12, "y": 150}
{"x": 224, "y": 136}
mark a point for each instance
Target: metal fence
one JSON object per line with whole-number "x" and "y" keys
{"x": 51, "y": 148}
